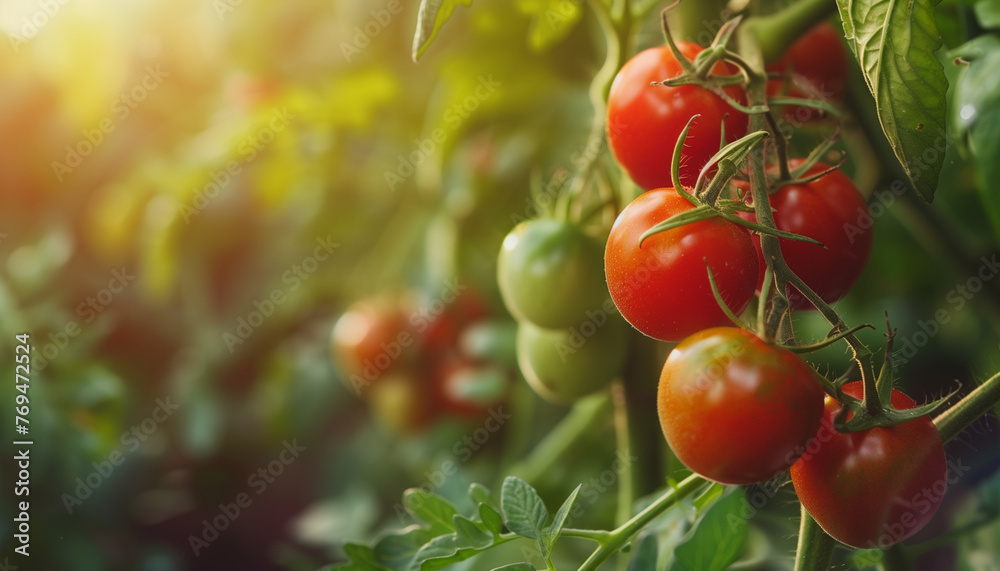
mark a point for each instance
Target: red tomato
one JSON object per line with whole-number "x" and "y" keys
{"x": 370, "y": 338}
{"x": 735, "y": 409}
{"x": 662, "y": 288}
{"x": 873, "y": 488}
{"x": 829, "y": 209}
{"x": 644, "y": 121}
{"x": 819, "y": 60}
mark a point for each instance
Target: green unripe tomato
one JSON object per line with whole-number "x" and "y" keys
{"x": 551, "y": 273}
{"x": 563, "y": 365}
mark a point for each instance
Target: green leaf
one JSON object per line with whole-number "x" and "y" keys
{"x": 396, "y": 550}
{"x": 551, "y": 22}
{"x": 362, "y": 558}
{"x": 524, "y": 512}
{"x": 560, "y": 518}
{"x": 431, "y": 17}
{"x": 516, "y": 567}
{"x": 491, "y": 519}
{"x": 468, "y": 540}
{"x": 470, "y": 533}
{"x": 717, "y": 539}
{"x": 894, "y": 41}
{"x": 432, "y": 509}
{"x": 480, "y": 494}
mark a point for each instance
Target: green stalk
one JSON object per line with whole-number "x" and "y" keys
{"x": 815, "y": 548}
{"x": 620, "y": 536}
{"x": 556, "y": 443}
{"x": 977, "y": 403}
{"x": 690, "y": 18}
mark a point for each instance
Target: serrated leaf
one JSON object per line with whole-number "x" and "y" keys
{"x": 894, "y": 41}
{"x": 430, "y": 18}
{"x": 480, "y": 494}
{"x": 432, "y": 509}
{"x": 716, "y": 541}
{"x": 491, "y": 519}
{"x": 560, "y": 518}
{"x": 397, "y": 549}
{"x": 524, "y": 513}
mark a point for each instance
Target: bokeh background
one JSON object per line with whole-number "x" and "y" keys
{"x": 165, "y": 167}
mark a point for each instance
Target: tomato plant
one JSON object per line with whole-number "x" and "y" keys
{"x": 644, "y": 120}
{"x": 832, "y": 211}
{"x": 550, "y": 273}
{"x": 873, "y": 488}
{"x": 735, "y": 409}
{"x": 661, "y": 286}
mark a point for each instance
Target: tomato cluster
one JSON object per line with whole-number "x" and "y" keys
{"x": 570, "y": 341}
{"x": 735, "y": 408}
{"x": 414, "y": 362}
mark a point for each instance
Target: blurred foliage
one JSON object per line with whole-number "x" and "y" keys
{"x": 210, "y": 149}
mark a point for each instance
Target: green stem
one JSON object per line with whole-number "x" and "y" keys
{"x": 783, "y": 276}
{"x": 620, "y": 536}
{"x": 815, "y": 547}
{"x": 549, "y": 451}
{"x": 626, "y": 484}
{"x": 777, "y": 31}
{"x": 977, "y": 403}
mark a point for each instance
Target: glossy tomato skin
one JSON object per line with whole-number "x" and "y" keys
{"x": 818, "y": 58}
{"x": 735, "y": 409}
{"x": 662, "y": 288}
{"x": 873, "y": 488}
{"x": 550, "y": 273}
{"x": 566, "y": 364}
{"x": 645, "y": 121}
{"x": 830, "y": 210}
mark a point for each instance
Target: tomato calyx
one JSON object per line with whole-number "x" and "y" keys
{"x": 698, "y": 72}
{"x": 875, "y": 407}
